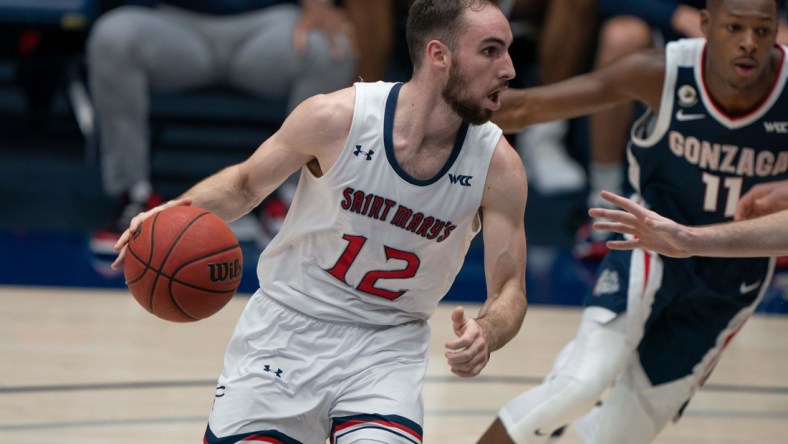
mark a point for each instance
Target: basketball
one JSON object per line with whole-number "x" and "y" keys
{"x": 183, "y": 264}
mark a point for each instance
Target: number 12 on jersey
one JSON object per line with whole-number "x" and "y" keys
{"x": 367, "y": 283}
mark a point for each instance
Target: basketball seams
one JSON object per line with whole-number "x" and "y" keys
{"x": 159, "y": 270}
{"x": 191, "y": 284}
{"x": 199, "y": 258}
{"x": 174, "y": 280}
{"x": 178, "y": 237}
{"x": 150, "y": 259}
{"x": 167, "y": 256}
{"x": 145, "y": 263}
{"x": 187, "y": 284}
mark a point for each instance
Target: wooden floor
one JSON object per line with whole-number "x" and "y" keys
{"x": 91, "y": 366}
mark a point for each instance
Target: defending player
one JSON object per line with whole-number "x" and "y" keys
{"x": 396, "y": 180}
{"x": 655, "y": 326}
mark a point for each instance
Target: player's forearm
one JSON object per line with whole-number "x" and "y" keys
{"x": 764, "y": 236}
{"x": 501, "y": 317}
{"x": 225, "y": 193}
{"x": 578, "y": 96}
{"x": 523, "y": 107}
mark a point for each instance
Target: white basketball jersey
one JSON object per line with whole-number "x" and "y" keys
{"x": 366, "y": 242}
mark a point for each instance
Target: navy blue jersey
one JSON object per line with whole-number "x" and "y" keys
{"x": 692, "y": 162}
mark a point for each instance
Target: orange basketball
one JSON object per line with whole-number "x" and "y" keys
{"x": 183, "y": 264}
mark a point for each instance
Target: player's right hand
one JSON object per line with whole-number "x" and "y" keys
{"x": 647, "y": 229}
{"x": 469, "y": 353}
{"x": 136, "y": 221}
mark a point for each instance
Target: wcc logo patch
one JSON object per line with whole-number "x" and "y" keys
{"x": 460, "y": 179}
{"x": 776, "y": 127}
{"x": 358, "y": 152}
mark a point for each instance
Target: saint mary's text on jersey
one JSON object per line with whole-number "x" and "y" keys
{"x": 388, "y": 210}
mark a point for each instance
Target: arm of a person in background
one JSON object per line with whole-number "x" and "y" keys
{"x": 313, "y": 134}
{"x": 782, "y": 31}
{"x": 763, "y": 199}
{"x": 765, "y": 236}
{"x": 374, "y": 25}
{"x": 501, "y": 316}
{"x": 661, "y": 13}
{"x": 686, "y": 21}
{"x": 638, "y": 76}
{"x": 666, "y": 14}
{"x": 332, "y": 21}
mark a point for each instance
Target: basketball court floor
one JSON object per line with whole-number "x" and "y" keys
{"x": 90, "y": 366}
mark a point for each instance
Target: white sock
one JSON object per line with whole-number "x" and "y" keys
{"x": 140, "y": 191}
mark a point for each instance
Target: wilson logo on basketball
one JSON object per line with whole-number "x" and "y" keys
{"x": 224, "y": 271}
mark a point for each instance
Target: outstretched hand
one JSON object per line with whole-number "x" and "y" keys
{"x": 120, "y": 245}
{"x": 649, "y": 230}
{"x": 469, "y": 353}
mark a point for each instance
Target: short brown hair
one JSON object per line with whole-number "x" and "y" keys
{"x": 436, "y": 19}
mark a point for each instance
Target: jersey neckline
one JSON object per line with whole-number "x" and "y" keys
{"x": 388, "y": 142}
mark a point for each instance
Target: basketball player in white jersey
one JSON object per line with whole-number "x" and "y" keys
{"x": 654, "y": 327}
{"x": 395, "y": 181}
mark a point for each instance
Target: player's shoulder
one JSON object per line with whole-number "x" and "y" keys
{"x": 505, "y": 163}
{"x": 334, "y": 106}
{"x": 329, "y": 114}
{"x": 506, "y": 184}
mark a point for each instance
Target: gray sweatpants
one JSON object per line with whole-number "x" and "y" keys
{"x": 133, "y": 51}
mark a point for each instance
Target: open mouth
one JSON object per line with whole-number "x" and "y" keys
{"x": 745, "y": 68}
{"x": 495, "y": 97}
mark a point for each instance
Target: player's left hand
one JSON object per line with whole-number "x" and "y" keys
{"x": 469, "y": 353}
{"x": 763, "y": 199}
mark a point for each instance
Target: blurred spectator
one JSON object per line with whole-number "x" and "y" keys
{"x": 272, "y": 48}
{"x": 567, "y": 30}
{"x": 40, "y": 44}
{"x": 375, "y": 25}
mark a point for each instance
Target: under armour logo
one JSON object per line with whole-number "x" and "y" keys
{"x": 278, "y": 372}
{"x": 462, "y": 180}
{"x": 366, "y": 153}
{"x": 220, "y": 391}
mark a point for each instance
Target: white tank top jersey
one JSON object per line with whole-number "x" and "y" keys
{"x": 366, "y": 243}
